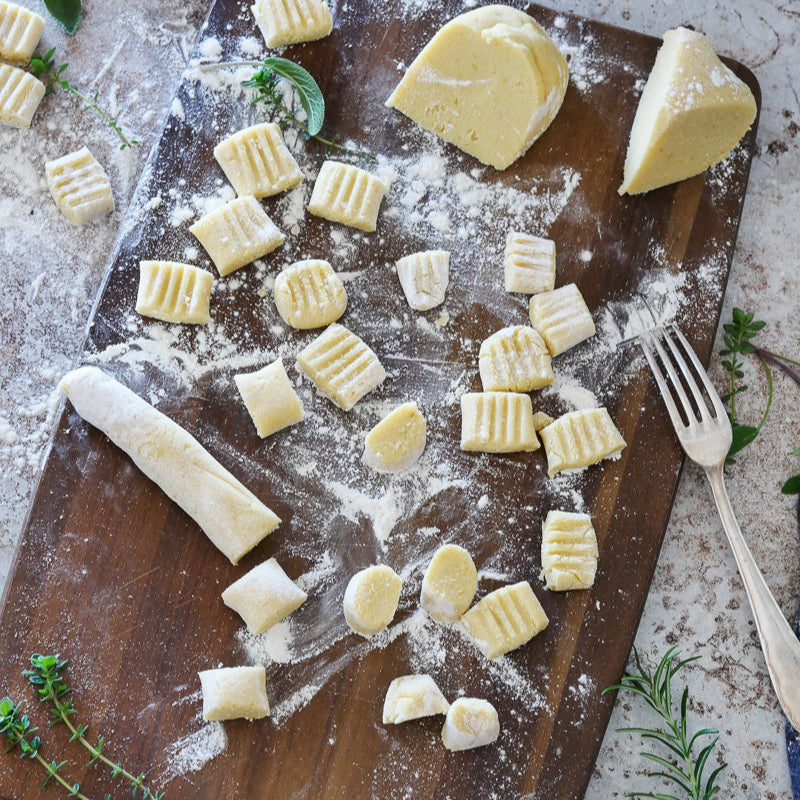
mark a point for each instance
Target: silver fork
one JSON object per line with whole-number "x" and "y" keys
{"x": 706, "y": 439}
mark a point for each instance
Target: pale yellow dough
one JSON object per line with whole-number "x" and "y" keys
{"x": 397, "y": 441}
{"x": 424, "y": 277}
{"x": 470, "y": 722}
{"x": 174, "y": 292}
{"x": 20, "y": 95}
{"x": 515, "y": 359}
{"x": 371, "y": 598}
{"x": 562, "y": 318}
{"x": 569, "y": 551}
{"x": 497, "y": 422}
{"x": 234, "y": 693}
{"x": 80, "y": 186}
{"x": 270, "y": 398}
{"x": 309, "y": 294}
{"x": 20, "y": 31}
{"x": 411, "y": 697}
{"x": 449, "y": 583}
{"x": 529, "y": 263}
{"x": 292, "y": 21}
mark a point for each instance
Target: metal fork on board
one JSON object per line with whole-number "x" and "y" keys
{"x": 706, "y": 437}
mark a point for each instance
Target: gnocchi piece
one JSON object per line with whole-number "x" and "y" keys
{"x": 397, "y": 441}
{"x": 569, "y": 551}
{"x": 580, "y": 439}
{"x": 270, "y": 398}
{"x": 424, "y": 278}
{"x": 497, "y": 422}
{"x": 529, "y": 263}
{"x": 20, "y": 95}
{"x": 264, "y": 596}
{"x": 234, "y": 692}
{"x": 174, "y": 292}
{"x": 411, "y": 697}
{"x": 237, "y": 233}
{"x": 309, "y": 294}
{"x": 505, "y": 619}
{"x": 347, "y": 194}
{"x": 79, "y": 186}
{"x": 371, "y": 598}
{"x": 341, "y": 366}
{"x": 292, "y": 21}
{"x": 257, "y": 162}
{"x": 562, "y": 317}
{"x": 515, "y": 359}
{"x": 470, "y": 722}
{"x": 449, "y": 584}
{"x": 20, "y": 31}
{"x": 541, "y": 420}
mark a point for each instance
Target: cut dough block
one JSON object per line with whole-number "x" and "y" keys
{"x": 692, "y": 113}
{"x": 505, "y": 619}
{"x": 515, "y": 359}
{"x": 371, "y": 598}
{"x": 270, "y": 398}
{"x": 341, "y": 366}
{"x": 264, "y": 596}
{"x": 490, "y": 82}
{"x": 20, "y": 31}
{"x": 569, "y": 551}
{"x": 449, "y": 584}
{"x": 79, "y": 186}
{"x": 424, "y": 278}
{"x": 579, "y": 439}
{"x": 256, "y": 161}
{"x": 562, "y": 317}
{"x": 347, "y": 194}
{"x": 20, "y": 95}
{"x": 237, "y": 233}
{"x": 230, "y": 515}
{"x": 497, "y": 422}
{"x": 174, "y": 292}
{"x": 309, "y": 294}
{"x": 411, "y": 697}
{"x": 292, "y": 21}
{"x": 471, "y": 722}
{"x": 397, "y": 441}
{"x": 234, "y": 692}
{"x": 529, "y": 263}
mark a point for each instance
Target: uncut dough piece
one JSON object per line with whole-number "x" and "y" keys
{"x": 471, "y": 722}
{"x": 449, "y": 584}
{"x": 529, "y": 263}
{"x": 234, "y": 693}
{"x": 497, "y": 422}
{"x": 490, "y": 82}
{"x": 309, "y": 294}
{"x": 692, "y": 113}
{"x": 264, "y": 596}
{"x": 270, "y": 398}
{"x": 371, "y": 598}
{"x": 20, "y": 95}
{"x": 256, "y": 161}
{"x": 397, "y": 441}
{"x": 505, "y": 619}
{"x": 515, "y": 359}
{"x": 20, "y": 31}
{"x": 341, "y": 366}
{"x": 569, "y": 551}
{"x": 79, "y": 186}
{"x": 230, "y": 515}
{"x": 562, "y": 317}
{"x": 237, "y": 233}
{"x": 347, "y": 194}
{"x": 424, "y": 278}
{"x": 174, "y": 292}
{"x": 292, "y": 21}
{"x": 579, "y": 439}
{"x": 412, "y": 697}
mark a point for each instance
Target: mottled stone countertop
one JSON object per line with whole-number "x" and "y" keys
{"x": 133, "y": 54}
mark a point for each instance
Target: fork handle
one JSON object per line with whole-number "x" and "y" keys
{"x": 778, "y": 641}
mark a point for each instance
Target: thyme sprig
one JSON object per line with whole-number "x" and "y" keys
{"x": 682, "y": 766}
{"x": 43, "y": 67}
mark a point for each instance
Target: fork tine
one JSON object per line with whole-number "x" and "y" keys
{"x": 700, "y": 401}
{"x": 645, "y": 340}
{"x": 709, "y": 387}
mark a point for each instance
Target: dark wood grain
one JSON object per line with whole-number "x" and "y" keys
{"x": 112, "y": 574}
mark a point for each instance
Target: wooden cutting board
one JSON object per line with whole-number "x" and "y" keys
{"x": 115, "y": 577}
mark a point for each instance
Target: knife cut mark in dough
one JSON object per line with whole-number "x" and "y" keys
{"x": 371, "y": 598}
{"x": 412, "y": 697}
{"x": 470, "y": 722}
{"x": 270, "y": 398}
{"x": 497, "y": 422}
{"x": 309, "y": 294}
{"x": 292, "y": 21}
{"x": 449, "y": 583}
{"x": 234, "y": 693}
{"x": 515, "y": 359}
{"x": 397, "y": 441}
{"x": 20, "y": 31}
{"x": 174, "y": 292}
{"x": 424, "y": 277}
{"x": 569, "y": 551}
{"x": 562, "y": 317}
{"x": 79, "y": 186}
{"x": 20, "y": 95}
{"x": 529, "y": 263}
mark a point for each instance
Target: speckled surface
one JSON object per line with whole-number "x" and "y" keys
{"x": 133, "y": 55}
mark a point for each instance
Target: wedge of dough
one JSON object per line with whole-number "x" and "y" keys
{"x": 490, "y": 82}
{"x": 230, "y": 515}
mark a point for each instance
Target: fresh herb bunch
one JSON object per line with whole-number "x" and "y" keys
{"x": 43, "y": 67}
{"x": 67, "y": 12}
{"x": 682, "y": 767}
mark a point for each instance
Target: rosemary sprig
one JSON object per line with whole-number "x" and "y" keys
{"x": 43, "y": 67}
{"x": 45, "y": 676}
{"x": 682, "y": 767}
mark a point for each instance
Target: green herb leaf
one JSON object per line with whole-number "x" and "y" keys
{"x": 307, "y": 89}
{"x": 792, "y": 486}
{"x": 67, "y": 12}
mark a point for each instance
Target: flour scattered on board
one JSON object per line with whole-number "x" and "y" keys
{"x": 194, "y": 751}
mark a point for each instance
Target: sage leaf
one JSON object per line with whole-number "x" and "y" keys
{"x": 67, "y": 12}
{"x": 307, "y": 89}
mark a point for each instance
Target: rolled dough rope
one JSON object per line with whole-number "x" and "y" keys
{"x": 230, "y": 515}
